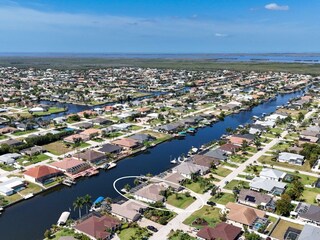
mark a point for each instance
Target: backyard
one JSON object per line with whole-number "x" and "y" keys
{"x": 180, "y": 200}
{"x": 210, "y": 215}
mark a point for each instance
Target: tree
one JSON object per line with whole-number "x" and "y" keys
{"x": 47, "y": 234}
{"x": 295, "y": 192}
{"x": 284, "y": 205}
{"x": 244, "y": 145}
{"x": 257, "y": 143}
{"x": 229, "y": 130}
{"x": 252, "y": 236}
{"x": 127, "y": 187}
{"x": 78, "y": 203}
{"x": 87, "y": 201}
{"x": 136, "y": 181}
{"x": 300, "y": 117}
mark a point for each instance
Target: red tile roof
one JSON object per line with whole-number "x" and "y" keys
{"x": 221, "y": 231}
{"x": 41, "y": 171}
{"x": 97, "y": 226}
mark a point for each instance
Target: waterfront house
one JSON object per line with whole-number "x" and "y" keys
{"x": 222, "y": 230}
{"x": 186, "y": 169}
{"x": 239, "y": 215}
{"x": 174, "y": 180}
{"x": 206, "y": 161}
{"x": 239, "y": 139}
{"x": 11, "y": 185}
{"x": 127, "y": 143}
{"x": 291, "y": 158}
{"x": 98, "y": 227}
{"x": 91, "y": 156}
{"x": 110, "y": 149}
{"x": 129, "y": 211}
{"x": 141, "y": 137}
{"x": 272, "y": 174}
{"x": 229, "y": 148}
{"x": 71, "y": 166}
{"x": 217, "y": 154}
{"x": 41, "y": 174}
{"x": 150, "y": 193}
{"x": 267, "y": 185}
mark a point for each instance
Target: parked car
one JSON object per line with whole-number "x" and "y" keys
{"x": 211, "y": 203}
{"x": 152, "y": 228}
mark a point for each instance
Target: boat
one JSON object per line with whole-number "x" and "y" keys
{"x": 29, "y": 195}
{"x": 191, "y": 130}
{"x": 68, "y": 182}
{"x": 181, "y": 134}
{"x": 96, "y": 204}
{"x": 174, "y": 161}
{"x": 180, "y": 160}
{"x": 63, "y": 218}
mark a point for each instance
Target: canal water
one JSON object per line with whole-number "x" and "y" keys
{"x": 29, "y": 219}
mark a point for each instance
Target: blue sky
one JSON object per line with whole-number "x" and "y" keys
{"x": 159, "y": 26}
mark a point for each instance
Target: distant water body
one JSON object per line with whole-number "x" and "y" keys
{"x": 266, "y": 57}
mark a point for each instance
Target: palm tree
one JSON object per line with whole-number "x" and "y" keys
{"x": 87, "y": 201}
{"x": 78, "y": 203}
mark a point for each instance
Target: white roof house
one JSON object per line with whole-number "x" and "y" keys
{"x": 9, "y": 185}
{"x": 266, "y": 123}
{"x": 270, "y": 186}
{"x": 309, "y": 232}
{"x": 9, "y": 158}
{"x": 36, "y": 109}
{"x": 274, "y": 117}
{"x": 272, "y": 174}
{"x": 291, "y": 158}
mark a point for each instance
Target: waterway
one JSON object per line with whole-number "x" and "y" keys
{"x": 29, "y": 219}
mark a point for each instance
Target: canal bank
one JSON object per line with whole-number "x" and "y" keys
{"x": 28, "y": 220}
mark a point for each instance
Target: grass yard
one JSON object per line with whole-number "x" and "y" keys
{"x": 238, "y": 158}
{"x": 195, "y": 187}
{"x": 223, "y": 198}
{"x": 180, "y": 200}
{"x": 180, "y": 235}
{"x": 34, "y": 159}
{"x": 208, "y": 213}
{"x": 62, "y": 233}
{"x": 135, "y": 127}
{"x": 6, "y": 167}
{"x": 272, "y": 222}
{"x": 133, "y": 233}
{"x": 221, "y": 171}
{"x": 20, "y": 133}
{"x": 3, "y": 137}
{"x": 57, "y": 148}
{"x": 51, "y": 110}
{"x": 282, "y": 146}
{"x": 282, "y": 227}
{"x": 236, "y": 183}
{"x": 276, "y": 130}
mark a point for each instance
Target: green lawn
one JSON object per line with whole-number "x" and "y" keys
{"x": 276, "y": 130}
{"x": 3, "y": 137}
{"x": 208, "y": 213}
{"x": 229, "y": 164}
{"x": 223, "y": 198}
{"x": 237, "y": 183}
{"x": 180, "y": 235}
{"x": 253, "y": 169}
{"x": 180, "y": 200}
{"x": 135, "y": 127}
{"x": 20, "y": 133}
{"x": 6, "y": 167}
{"x": 195, "y": 187}
{"x": 282, "y": 146}
{"x": 221, "y": 171}
{"x": 238, "y": 158}
{"x": 62, "y": 233}
{"x": 133, "y": 233}
{"x": 33, "y": 159}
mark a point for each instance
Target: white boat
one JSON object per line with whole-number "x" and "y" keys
{"x": 174, "y": 161}
{"x": 29, "y": 195}
{"x": 68, "y": 182}
{"x": 63, "y": 218}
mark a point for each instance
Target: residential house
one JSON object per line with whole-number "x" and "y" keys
{"x": 9, "y": 158}
{"x": 229, "y": 148}
{"x": 129, "y": 211}
{"x": 267, "y": 185}
{"x": 272, "y": 174}
{"x": 204, "y": 160}
{"x": 309, "y": 232}
{"x": 308, "y": 213}
{"x": 127, "y": 143}
{"x": 141, "y": 138}
{"x": 239, "y": 139}
{"x": 222, "y": 230}
{"x": 254, "y": 199}
{"x": 91, "y": 132}
{"x": 76, "y": 137}
{"x": 71, "y": 166}
{"x": 110, "y": 149}
{"x": 239, "y": 215}
{"x": 41, "y": 174}
{"x": 98, "y": 227}
{"x": 291, "y": 158}
{"x": 186, "y": 169}
{"x": 217, "y": 154}
{"x": 9, "y": 186}
{"x": 33, "y": 150}
{"x": 92, "y": 156}
{"x": 12, "y": 142}
{"x": 101, "y": 121}
{"x": 174, "y": 180}
{"x": 150, "y": 193}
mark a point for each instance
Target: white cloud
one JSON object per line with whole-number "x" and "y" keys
{"x": 221, "y": 35}
{"x": 276, "y": 7}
